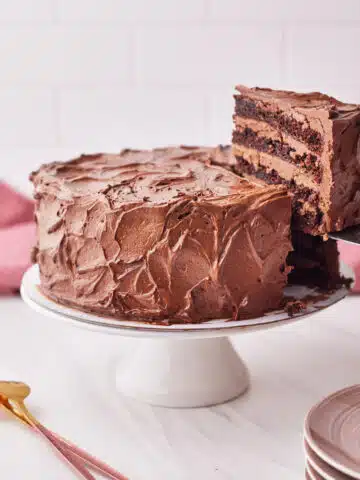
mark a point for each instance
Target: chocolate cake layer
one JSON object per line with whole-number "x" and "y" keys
{"x": 305, "y": 202}
{"x": 314, "y": 133}
{"x": 161, "y": 235}
{"x": 306, "y": 161}
{"x": 248, "y": 108}
{"x": 314, "y": 262}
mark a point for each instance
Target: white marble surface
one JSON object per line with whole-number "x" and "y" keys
{"x": 259, "y": 435}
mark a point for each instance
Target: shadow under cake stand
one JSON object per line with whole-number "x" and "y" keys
{"x": 192, "y": 365}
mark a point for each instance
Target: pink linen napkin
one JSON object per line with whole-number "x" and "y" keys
{"x": 350, "y": 254}
{"x": 17, "y": 237}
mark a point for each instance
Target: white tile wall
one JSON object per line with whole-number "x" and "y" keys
{"x": 20, "y": 11}
{"x": 305, "y": 11}
{"x": 203, "y": 56}
{"x": 135, "y": 11}
{"x": 108, "y": 119}
{"x": 220, "y": 111}
{"x": 61, "y": 55}
{"x": 27, "y": 118}
{"x": 85, "y": 75}
{"x": 328, "y": 58}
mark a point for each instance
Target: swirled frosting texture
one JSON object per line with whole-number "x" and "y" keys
{"x": 160, "y": 235}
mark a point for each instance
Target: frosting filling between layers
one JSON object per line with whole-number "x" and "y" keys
{"x": 276, "y": 122}
{"x": 246, "y": 107}
{"x": 286, "y": 170}
{"x": 307, "y": 215}
{"x": 263, "y": 129}
{"x": 273, "y": 143}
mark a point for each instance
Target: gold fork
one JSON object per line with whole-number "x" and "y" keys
{"x": 12, "y": 396}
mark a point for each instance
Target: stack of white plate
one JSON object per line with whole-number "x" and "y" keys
{"x": 332, "y": 437}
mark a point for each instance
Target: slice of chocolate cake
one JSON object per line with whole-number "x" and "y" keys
{"x": 160, "y": 235}
{"x": 313, "y": 260}
{"x": 307, "y": 142}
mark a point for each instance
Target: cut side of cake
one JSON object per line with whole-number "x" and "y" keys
{"x": 314, "y": 262}
{"x": 161, "y": 236}
{"x": 309, "y": 143}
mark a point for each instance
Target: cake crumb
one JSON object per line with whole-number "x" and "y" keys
{"x": 295, "y": 306}
{"x": 34, "y": 255}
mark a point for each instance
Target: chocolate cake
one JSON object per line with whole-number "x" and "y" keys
{"x": 309, "y": 143}
{"x": 161, "y": 236}
{"x": 314, "y": 262}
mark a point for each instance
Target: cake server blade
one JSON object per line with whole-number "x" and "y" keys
{"x": 350, "y": 235}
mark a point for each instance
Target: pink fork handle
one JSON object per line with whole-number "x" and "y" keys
{"x": 95, "y": 463}
{"x": 70, "y": 458}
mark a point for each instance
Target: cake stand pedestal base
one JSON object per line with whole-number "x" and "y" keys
{"x": 181, "y": 365}
{"x": 183, "y": 372}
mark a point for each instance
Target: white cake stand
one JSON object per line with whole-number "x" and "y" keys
{"x": 178, "y": 365}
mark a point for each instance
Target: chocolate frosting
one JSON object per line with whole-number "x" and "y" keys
{"x": 160, "y": 235}
{"x": 288, "y": 100}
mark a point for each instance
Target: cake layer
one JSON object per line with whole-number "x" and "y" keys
{"x": 302, "y": 140}
{"x": 306, "y": 213}
{"x": 287, "y": 171}
{"x": 273, "y": 144}
{"x": 263, "y": 129}
{"x": 314, "y": 262}
{"x": 161, "y": 235}
{"x": 246, "y": 107}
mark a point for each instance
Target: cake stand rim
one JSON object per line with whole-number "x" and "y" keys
{"x": 32, "y": 296}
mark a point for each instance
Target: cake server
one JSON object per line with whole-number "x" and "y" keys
{"x": 12, "y": 396}
{"x": 350, "y": 235}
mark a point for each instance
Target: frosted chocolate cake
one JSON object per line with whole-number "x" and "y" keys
{"x": 306, "y": 142}
{"x": 161, "y": 236}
